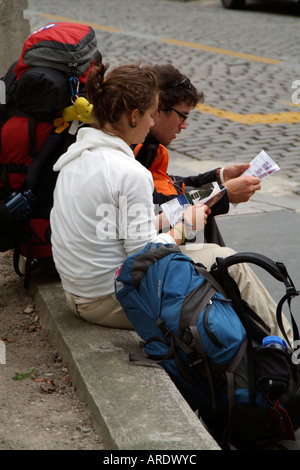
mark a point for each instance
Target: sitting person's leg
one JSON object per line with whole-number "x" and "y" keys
{"x": 251, "y": 288}
{"x": 104, "y": 311}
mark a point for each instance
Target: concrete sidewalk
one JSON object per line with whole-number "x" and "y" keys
{"x": 138, "y": 407}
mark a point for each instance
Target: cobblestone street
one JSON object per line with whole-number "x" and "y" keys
{"x": 245, "y": 62}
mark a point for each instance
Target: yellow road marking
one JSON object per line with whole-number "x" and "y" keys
{"x": 295, "y": 105}
{"x": 275, "y": 118}
{"x": 194, "y": 45}
{"x": 218, "y": 50}
{"x": 71, "y": 20}
{"x": 279, "y": 118}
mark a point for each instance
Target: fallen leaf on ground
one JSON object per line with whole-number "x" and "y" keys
{"x": 6, "y": 339}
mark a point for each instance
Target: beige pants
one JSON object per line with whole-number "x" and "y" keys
{"x": 106, "y": 311}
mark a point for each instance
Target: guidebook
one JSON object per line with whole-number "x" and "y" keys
{"x": 207, "y": 194}
{"x": 262, "y": 166}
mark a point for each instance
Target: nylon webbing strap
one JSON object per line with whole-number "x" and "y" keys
{"x": 231, "y": 287}
{"x": 287, "y": 298}
{"x": 230, "y": 385}
{"x": 202, "y": 305}
{"x": 199, "y": 347}
{"x": 14, "y": 167}
{"x": 211, "y": 280}
{"x": 194, "y": 302}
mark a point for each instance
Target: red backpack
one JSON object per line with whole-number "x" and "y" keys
{"x": 49, "y": 76}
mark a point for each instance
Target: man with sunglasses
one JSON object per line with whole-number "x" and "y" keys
{"x": 177, "y": 97}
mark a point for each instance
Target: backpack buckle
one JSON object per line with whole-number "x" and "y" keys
{"x": 163, "y": 328}
{"x": 187, "y": 336}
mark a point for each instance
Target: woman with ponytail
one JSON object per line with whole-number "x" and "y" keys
{"x": 103, "y": 209}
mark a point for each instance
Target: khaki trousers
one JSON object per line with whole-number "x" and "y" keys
{"x": 106, "y": 311}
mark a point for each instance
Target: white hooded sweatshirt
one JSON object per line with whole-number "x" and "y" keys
{"x": 102, "y": 212}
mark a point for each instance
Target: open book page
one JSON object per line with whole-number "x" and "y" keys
{"x": 207, "y": 194}
{"x": 262, "y": 166}
{"x": 175, "y": 208}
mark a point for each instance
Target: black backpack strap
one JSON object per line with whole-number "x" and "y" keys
{"x": 196, "y": 357}
{"x": 5, "y": 181}
{"x": 276, "y": 269}
{"x": 203, "y": 363}
{"x": 194, "y": 302}
{"x": 211, "y": 279}
{"x": 287, "y": 298}
{"x": 141, "y": 360}
{"x": 233, "y": 292}
{"x": 230, "y": 386}
{"x": 53, "y": 142}
{"x": 147, "y": 152}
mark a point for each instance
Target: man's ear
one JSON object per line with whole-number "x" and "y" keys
{"x": 158, "y": 114}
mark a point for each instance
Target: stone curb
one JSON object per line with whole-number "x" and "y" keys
{"x": 133, "y": 407}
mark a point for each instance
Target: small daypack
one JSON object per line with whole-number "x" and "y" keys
{"x": 48, "y": 77}
{"x": 195, "y": 325}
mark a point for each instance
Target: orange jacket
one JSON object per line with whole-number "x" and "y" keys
{"x": 154, "y": 156}
{"x": 163, "y": 183}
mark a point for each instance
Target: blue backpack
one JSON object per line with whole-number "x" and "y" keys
{"x": 195, "y": 325}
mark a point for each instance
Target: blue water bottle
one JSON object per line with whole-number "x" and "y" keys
{"x": 274, "y": 342}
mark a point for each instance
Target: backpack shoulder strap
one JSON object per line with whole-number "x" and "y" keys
{"x": 145, "y": 153}
{"x": 276, "y": 269}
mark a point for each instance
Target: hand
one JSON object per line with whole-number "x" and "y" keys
{"x": 242, "y": 188}
{"x": 197, "y": 216}
{"x": 161, "y": 221}
{"x": 234, "y": 171}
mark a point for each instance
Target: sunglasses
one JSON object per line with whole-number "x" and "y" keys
{"x": 183, "y": 116}
{"x": 185, "y": 83}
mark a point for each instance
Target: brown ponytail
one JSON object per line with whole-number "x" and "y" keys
{"x": 122, "y": 90}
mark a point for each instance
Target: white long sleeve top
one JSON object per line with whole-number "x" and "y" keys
{"x": 102, "y": 212}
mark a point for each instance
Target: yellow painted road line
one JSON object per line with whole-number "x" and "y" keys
{"x": 279, "y": 118}
{"x": 293, "y": 105}
{"x": 193, "y": 45}
{"x": 218, "y": 50}
{"x": 275, "y": 118}
{"x": 71, "y": 20}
